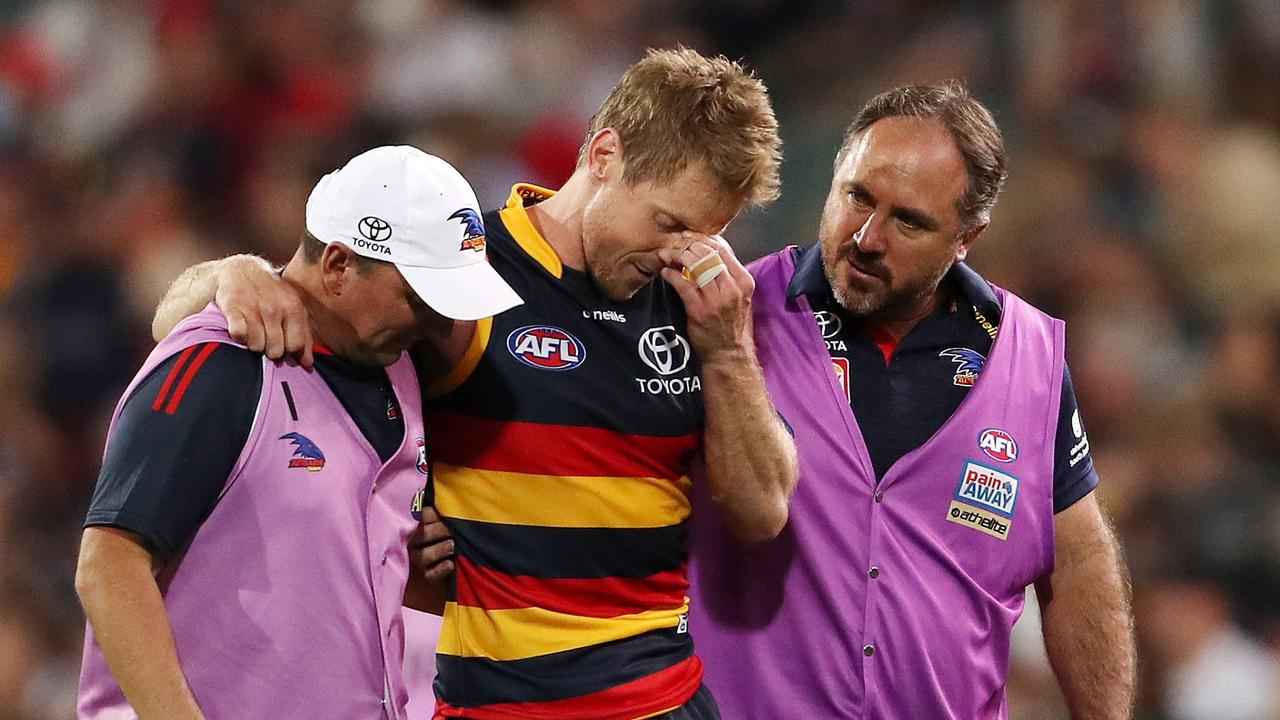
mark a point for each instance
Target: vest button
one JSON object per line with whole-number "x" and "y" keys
{"x": 879, "y": 496}
{"x": 868, "y": 650}
{"x": 874, "y": 572}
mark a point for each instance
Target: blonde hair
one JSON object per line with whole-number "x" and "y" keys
{"x": 676, "y": 108}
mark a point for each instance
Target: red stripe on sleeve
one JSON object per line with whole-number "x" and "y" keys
{"x": 168, "y": 381}
{"x": 189, "y": 375}
{"x": 605, "y": 597}
{"x": 664, "y": 690}
{"x": 536, "y": 448}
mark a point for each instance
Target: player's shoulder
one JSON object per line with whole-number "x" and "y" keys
{"x": 204, "y": 371}
{"x": 499, "y": 240}
{"x": 223, "y": 356}
{"x": 771, "y": 260}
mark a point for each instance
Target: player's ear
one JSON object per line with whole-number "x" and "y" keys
{"x": 337, "y": 266}
{"x": 966, "y": 241}
{"x": 604, "y": 155}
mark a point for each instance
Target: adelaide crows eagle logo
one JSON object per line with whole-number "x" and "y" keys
{"x": 969, "y": 365}
{"x": 305, "y": 454}
{"x": 472, "y": 229}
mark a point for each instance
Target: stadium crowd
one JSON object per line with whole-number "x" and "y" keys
{"x": 140, "y": 136}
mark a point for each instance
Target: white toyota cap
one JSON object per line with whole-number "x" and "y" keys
{"x": 403, "y": 206}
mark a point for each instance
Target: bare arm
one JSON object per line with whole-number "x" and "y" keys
{"x": 186, "y": 296}
{"x": 430, "y": 564}
{"x": 1088, "y": 624}
{"x": 117, "y": 586}
{"x": 750, "y": 456}
{"x": 263, "y": 312}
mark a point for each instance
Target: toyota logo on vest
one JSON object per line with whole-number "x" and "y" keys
{"x": 375, "y": 229}
{"x": 664, "y": 350}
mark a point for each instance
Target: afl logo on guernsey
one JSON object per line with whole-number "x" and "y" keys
{"x": 546, "y": 347}
{"x": 998, "y": 445}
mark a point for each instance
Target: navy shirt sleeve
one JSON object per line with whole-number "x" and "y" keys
{"x": 1073, "y": 473}
{"x": 177, "y": 440}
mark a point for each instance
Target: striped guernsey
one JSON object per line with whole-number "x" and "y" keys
{"x": 561, "y": 451}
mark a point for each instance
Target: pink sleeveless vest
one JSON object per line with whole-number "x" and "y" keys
{"x": 887, "y": 600}
{"x": 287, "y": 602}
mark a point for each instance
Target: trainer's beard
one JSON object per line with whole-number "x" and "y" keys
{"x": 860, "y": 305}
{"x": 870, "y": 304}
{"x": 834, "y": 253}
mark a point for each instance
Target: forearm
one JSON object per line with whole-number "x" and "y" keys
{"x": 422, "y": 594}
{"x": 1087, "y": 623}
{"x": 750, "y": 456}
{"x": 124, "y": 606}
{"x": 194, "y": 289}
{"x": 190, "y": 292}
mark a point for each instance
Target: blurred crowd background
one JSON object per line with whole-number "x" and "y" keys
{"x": 1143, "y": 206}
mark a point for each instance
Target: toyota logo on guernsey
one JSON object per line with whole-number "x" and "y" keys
{"x": 998, "y": 445}
{"x": 546, "y": 347}
{"x": 666, "y": 352}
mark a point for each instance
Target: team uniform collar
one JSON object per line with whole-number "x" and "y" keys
{"x": 515, "y": 217}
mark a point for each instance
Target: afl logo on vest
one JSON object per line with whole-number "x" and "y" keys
{"x": 546, "y": 348}
{"x": 998, "y": 445}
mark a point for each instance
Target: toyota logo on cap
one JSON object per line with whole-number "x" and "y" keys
{"x": 375, "y": 229}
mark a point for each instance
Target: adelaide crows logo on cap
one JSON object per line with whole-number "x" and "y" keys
{"x": 305, "y": 454}
{"x": 472, "y": 229}
{"x": 969, "y": 365}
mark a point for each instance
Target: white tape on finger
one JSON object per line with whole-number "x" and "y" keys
{"x": 710, "y": 274}
{"x": 701, "y": 265}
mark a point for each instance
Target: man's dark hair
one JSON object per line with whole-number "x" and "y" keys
{"x": 313, "y": 248}
{"x": 971, "y": 125}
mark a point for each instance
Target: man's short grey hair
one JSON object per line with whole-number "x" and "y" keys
{"x": 971, "y": 125}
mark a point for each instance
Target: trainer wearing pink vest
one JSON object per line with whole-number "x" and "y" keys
{"x": 246, "y": 549}
{"x": 943, "y": 468}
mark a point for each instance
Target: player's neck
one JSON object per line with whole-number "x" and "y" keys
{"x": 327, "y": 329}
{"x": 558, "y": 219}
